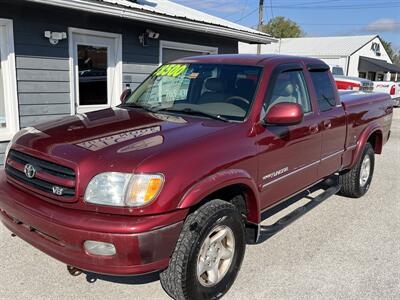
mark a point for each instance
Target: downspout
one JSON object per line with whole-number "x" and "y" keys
{"x": 348, "y": 65}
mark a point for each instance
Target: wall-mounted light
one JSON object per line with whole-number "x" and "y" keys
{"x": 55, "y": 37}
{"x": 148, "y": 34}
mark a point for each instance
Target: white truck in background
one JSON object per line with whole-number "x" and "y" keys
{"x": 344, "y": 82}
{"x": 390, "y": 87}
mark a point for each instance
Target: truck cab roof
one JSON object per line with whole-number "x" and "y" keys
{"x": 248, "y": 59}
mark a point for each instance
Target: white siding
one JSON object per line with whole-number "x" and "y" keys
{"x": 366, "y": 51}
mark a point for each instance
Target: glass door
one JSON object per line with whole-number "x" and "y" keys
{"x": 97, "y": 84}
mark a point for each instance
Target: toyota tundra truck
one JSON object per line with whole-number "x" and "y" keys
{"x": 177, "y": 178}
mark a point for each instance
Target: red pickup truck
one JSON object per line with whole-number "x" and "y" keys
{"x": 177, "y": 177}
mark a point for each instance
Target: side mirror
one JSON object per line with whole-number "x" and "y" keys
{"x": 125, "y": 95}
{"x": 284, "y": 113}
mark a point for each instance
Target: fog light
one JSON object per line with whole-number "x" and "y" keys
{"x": 99, "y": 248}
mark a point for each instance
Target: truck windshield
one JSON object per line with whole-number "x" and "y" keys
{"x": 219, "y": 91}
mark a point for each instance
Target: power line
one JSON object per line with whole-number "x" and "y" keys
{"x": 247, "y": 15}
{"x": 341, "y": 24}
{"x": 324, "y": 7}
{"x": 272, "y": 9}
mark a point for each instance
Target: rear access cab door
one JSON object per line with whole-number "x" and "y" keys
{"x": 330, "y": 117}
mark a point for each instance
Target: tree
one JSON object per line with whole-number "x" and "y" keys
{"x": 280, "y": 27}
{"x": 389, "y": 48}
{"x": 393, "y": 54}
{"x": 396, "y": 58}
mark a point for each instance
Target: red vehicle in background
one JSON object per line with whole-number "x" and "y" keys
{"x": 350, "y": 83}
{"x": 178, "y": 177}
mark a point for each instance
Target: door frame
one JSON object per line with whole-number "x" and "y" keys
{"x": 184, "y": 46}
{"x": 118, "y": 84}
{"x": 10, "y": 81}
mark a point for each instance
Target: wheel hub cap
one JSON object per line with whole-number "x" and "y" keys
{"x": 216, "y": 255}
{"x": 365, "y": 170}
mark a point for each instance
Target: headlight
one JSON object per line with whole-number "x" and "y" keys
{"x": 123, "y": 189}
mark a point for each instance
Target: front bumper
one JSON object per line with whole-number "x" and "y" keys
{"x": 143, "y": 244}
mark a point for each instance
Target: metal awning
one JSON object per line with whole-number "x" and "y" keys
{"x": 367, "y": 64}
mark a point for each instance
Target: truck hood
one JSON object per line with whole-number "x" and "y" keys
{"x": 114, "y": 139}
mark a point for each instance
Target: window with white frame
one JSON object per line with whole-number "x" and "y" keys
{"x": 172, "y": 50}
{"x": 9, "y": 124}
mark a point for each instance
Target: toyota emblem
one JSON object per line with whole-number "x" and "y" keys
{"x": 29, "y": 171}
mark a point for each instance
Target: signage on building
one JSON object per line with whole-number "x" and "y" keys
{"x": 376, "y": 48}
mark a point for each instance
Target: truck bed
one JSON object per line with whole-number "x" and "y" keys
{"x": 365, "y": 111}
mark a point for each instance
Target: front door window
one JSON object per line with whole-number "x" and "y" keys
{"x": 92, "y": 69}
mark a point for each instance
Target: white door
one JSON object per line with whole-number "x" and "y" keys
{"x": 97, "y": 70}
{"x": 9, "y": 121}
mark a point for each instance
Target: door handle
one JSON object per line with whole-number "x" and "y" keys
{"x": 327, "y": 124}
{"x": 314, "y": 128}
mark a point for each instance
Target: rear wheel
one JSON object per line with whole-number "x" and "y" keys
{"x": 208, "y": 254}
{"x": 355, "y": 183}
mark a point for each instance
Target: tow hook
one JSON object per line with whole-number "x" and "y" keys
{"x": 74, "y": 271}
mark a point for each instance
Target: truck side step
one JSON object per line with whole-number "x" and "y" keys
{"x": 265, "y": 232}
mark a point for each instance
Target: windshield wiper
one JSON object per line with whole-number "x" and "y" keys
{"x": 135, "y": 105}
{"x": 190, "y": 111}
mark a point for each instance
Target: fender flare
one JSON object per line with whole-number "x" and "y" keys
{"x": 364, "y": 137}
{"x": 220, "y": 180}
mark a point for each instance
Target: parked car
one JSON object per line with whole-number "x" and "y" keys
{"x": 391, "y": 88}
{"x": 354, "y": 84}
{"x": 177, "y": 177}
{"x": 350, "y": 83}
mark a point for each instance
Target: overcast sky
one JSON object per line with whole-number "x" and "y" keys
{"x": 316, "y": 17}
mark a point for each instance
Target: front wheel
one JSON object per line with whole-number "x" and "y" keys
{"x": 355, "y": 183}
{"x": 208, "y": 254}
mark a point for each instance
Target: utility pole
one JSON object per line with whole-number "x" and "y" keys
{"x": 260, "y": 21}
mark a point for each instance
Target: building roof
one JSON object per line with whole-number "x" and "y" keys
{"x": 314, "y": 46}
{"x": 166, "y": 13}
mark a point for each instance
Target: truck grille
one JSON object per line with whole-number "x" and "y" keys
{"x": 46, "y": 178}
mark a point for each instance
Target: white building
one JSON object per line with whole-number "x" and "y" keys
{"x": 360, "y": 56}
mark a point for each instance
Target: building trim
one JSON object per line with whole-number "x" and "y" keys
{"x": 10, "y": 81}
{"x": 159, "y": 19}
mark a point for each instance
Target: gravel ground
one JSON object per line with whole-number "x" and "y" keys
{"x": 342, "y": 249}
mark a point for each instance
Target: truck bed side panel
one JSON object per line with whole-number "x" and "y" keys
{"x": 366, "y": 113}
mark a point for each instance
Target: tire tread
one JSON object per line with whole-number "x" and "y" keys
{"x": 173, "y": 279}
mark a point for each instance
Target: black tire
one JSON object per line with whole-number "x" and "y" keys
{"x": 180, "y": 279}
{"x": 350, "y": 181}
